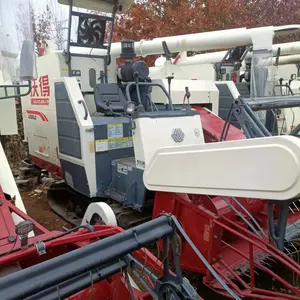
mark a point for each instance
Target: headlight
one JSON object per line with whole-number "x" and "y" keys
{"x": 130, "y": 107}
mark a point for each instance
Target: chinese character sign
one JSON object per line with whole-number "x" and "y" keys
{"x": 40, "y": 91}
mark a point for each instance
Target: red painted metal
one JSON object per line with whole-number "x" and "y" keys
{"x": 113, "y": 287}
{"x": 228, "y": 246}
{"x": 213, "y": 125}
{"x": 43, "y": 164}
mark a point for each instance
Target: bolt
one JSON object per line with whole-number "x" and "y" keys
{"x": 215, "y": 236}
{"x": 11, "y": 239}
{"x": 214, "y": 259}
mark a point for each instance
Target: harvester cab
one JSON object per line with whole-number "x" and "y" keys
{"x": 108, "y": 132}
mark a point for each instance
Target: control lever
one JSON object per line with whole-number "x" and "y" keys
{"x": 187, "y": 96}
{"x": 168, "y": 56}
{"x": 277, "y": 57}
{"x": 108, "y": 104}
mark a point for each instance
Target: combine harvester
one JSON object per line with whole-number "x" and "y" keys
{"x": 235, "y": 65}
{"x": 86, "y": 262}
{"x": 104, "y": 133}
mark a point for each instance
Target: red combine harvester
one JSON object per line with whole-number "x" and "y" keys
{"x": 99, "y": 127}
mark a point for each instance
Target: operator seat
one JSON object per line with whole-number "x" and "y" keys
{"x": 109, "y": 97}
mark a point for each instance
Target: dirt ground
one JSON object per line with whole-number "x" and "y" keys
{"x": 37, "y": 207}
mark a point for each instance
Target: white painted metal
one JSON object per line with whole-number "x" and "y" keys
{"x": 99, "y": 5}
{"x": 289, "y": 54}
{"x": 103, "y": 210}
{"x": 41, "y": 134}
{"x": 9, "y": 186}
{"x": 8, "y": 119}
{"x": 229, "y": 168}
{"x": 202, "y": 92}
{"x": 203, "y": 72}
{"x": 152, "y": 133}
{"x": 205, "y": 40}
{"x": 86, "y": 136}
{"x": 288, "y": 59}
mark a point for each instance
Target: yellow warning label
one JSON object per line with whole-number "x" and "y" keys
{"x": 114, "y": 131}
{"x": 113, "y": 144}
{"x": 101, "y": 145}
{"x": 92, "y": 147}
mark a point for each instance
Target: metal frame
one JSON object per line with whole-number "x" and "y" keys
{"x": 227, "y": 62}
{"x": 68, "y": 54}
{"x": 16, "y": 86}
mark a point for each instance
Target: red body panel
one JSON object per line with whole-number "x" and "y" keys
{"x": 113, "y": 288}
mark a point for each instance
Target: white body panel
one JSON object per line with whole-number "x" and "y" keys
{"x": 153, "y": 133}
{"x": 9, "y": 186}
{"x": 8, "y": 120}
{"x": 203, "y": 72}
{"x": 202, "y": 92}
{"x": 86, "y": 135}
{"x": 39, "y": 113}
{"x": 215, "y": 169}
{"x": 295, "y": 86}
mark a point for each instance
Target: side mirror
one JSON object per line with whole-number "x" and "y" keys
{"x": 293, "y": 76}
{"x": 26, "y": 74}
{"x": 27, "y": 61}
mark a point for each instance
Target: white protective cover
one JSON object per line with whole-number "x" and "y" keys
{"x": 151, "y": 134}
{"x": 267, "y": 168}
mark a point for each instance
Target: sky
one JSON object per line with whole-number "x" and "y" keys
{"x": 10, "y": 38}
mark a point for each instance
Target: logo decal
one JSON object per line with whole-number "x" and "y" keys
{"x": 33, "y": 114}
{"x": 177, "y": 135}
{"x": 40, "y": 92}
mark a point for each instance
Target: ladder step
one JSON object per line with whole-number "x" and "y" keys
{"x": 22, "y": 181}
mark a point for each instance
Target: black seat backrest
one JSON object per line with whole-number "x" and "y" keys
{"x": 111, "y": 93}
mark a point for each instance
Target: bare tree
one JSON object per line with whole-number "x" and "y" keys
{"x": 40, "y": 25}
{"x": 59, "y": 24}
